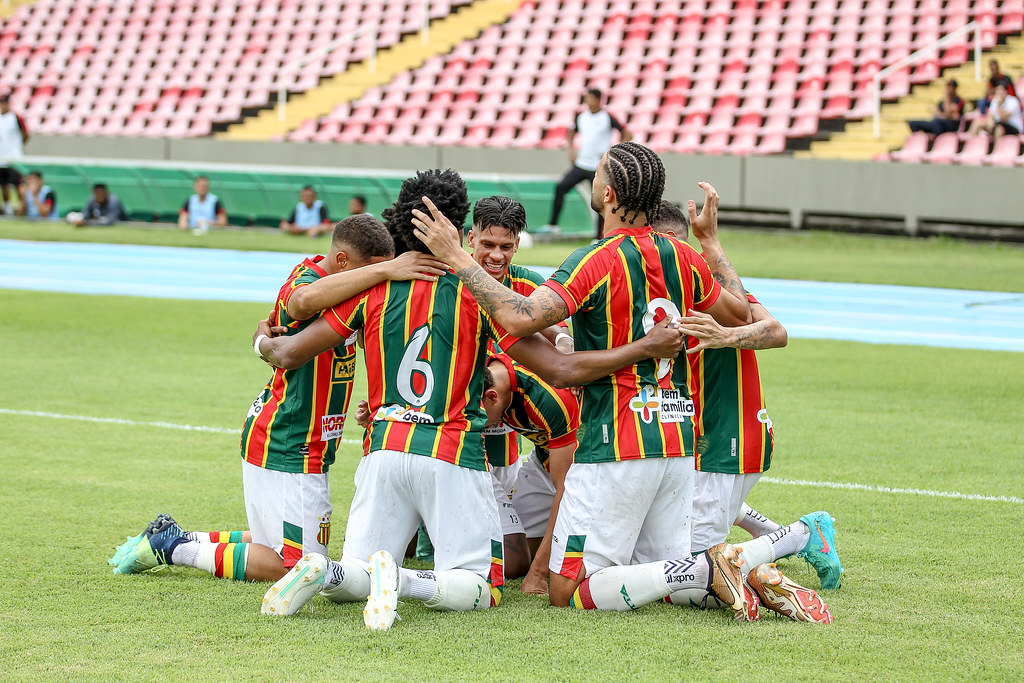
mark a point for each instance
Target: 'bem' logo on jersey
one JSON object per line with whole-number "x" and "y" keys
{"x": 323, "y": 537}
{"x": 671, "y": 405}
{"x": 395, "y": 413}
{"x": 331, "y": 426}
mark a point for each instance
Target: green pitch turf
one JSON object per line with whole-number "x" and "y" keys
{"x": 932, "y": 587}
{"x": 797, "y": 255}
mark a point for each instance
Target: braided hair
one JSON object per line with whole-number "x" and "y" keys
{"x": 638, "y": 177}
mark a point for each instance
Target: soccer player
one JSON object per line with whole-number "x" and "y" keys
{"x": 733, "y": 437}
{"x": 549, "y": 418}
{"x": 425, "y": 347}
{"x": 621, "y": 538}
{"x": 289, "y": 437}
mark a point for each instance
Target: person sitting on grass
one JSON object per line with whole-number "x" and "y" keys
{"x": 202, "y": 209}
{"x": 103, "y": 209}
{"x": 309, "y": 217}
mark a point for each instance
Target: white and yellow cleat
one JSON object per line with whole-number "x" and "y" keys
{"x": 382, "y": 604}
{"x": 297, "y": 587}
{"x": 785, "y": 596}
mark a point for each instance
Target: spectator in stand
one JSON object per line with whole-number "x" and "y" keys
{"x": 947, "y": 115}
{"x": 357, "y": 206}
{"x": 996, "y": 77}
{"x": 13, "y": 136}
{"x": 1003, "y": 117}
{"x": 309, "y": 217}
{"x": 38, "y": 201}
{"x": 202, "y": 209}
{"x": 594, "y": 127}
{"x": 103, "y": 209}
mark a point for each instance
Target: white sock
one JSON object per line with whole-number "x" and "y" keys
{"x": 417, "y": 584}
{"x": 460, "y": 590}
{"x": 346, "y": 581}
{"x": 187, "y": 554}
{"x": 754, "y": 523}
{"x": 620, "y": 589}
{"x": 784, "y": 541}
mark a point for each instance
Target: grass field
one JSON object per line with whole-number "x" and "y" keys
{"x": 797, "y": 255}
{"x": 928, "y": 591}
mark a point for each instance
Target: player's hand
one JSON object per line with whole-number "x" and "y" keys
{"x": 665, "y": 340}
{"x": 363, "y": 414}
{"x": 437, "y": 232}
{"x": 534, "y": 584}
{"x": 704, "y": 226}
{"x": 413, "y": 265}
{"x": 265, "y": 327}
{"x": 706, "y": 330}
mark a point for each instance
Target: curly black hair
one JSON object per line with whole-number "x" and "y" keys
{"x": 364, "y": 234}
{"x": 638, "y": 176}
{"x": 671, "y": 218}
{"x": 445, "y": 188}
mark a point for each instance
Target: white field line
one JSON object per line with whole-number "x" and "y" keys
{"x": 771, "y": 480}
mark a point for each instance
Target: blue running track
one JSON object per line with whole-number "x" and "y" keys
{"x": 820, "y": 310}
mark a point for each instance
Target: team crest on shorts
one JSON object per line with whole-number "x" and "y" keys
{"x": 324, "y": 535}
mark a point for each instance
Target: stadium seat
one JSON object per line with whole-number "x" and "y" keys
{"x": 943, "y": 149}
{"x": 1005, "y": 152}
{"x": 913, "y": 149}
{"x": 974, "y": 151}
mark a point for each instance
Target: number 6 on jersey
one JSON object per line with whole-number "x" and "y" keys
{"x": 410, "y": 364}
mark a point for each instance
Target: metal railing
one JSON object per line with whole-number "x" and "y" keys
{"x": 292, "y": 67}
{"x": 917, "y": 56}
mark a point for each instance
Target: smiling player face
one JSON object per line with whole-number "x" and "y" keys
{"x": 493, "y": 248}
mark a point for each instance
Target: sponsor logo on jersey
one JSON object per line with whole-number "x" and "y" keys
{"x": 670, "y": 405}
{"x": 762, "y": 417}
{"x": 395, "y": 413}
{"x": 256, "y": 408}
{"x": 499, "y": 430}
{"x": 323, "y": 537}
{"x": 331, "y": 426}
{"x": 344, "y": 370}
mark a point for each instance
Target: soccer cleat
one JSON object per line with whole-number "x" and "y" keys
{"x": 297, "y": 587}
{"x": 161, "y": 522}
{"x": 820, "y": 551}
{"x": 750, "y": 605}
{"x": 382, "y": 604}
{"x": 727, "y": 581}
{"x": 151, "y": 551}
{"x": 783, "y": 595}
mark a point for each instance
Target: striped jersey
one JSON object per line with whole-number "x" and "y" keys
{"x": 547, "y": 416}
{"x": 425, "y": 346}
{"x": 616, "y": 291}
{"x": 732, "y": 429}
{"x": 295, "y": 422}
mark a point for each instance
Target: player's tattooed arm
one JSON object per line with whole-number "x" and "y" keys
{"x": 705, "y": 229}
{"x": 294, "y": 351}
{"x": 764, "y": 333}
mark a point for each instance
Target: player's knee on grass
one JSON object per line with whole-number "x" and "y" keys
{"x": 460, "y": 590}
{"x": 516, "y": 559}
{"x": 263, "y": 564}
{"x": 561, "y": 588}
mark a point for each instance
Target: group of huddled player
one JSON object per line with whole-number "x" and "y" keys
{"x": 648, "y": 422}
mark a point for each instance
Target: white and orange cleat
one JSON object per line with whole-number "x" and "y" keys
{"x": 783, "y": 595}
{"x": 382, "y": 604}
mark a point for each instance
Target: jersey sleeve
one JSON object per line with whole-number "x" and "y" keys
{"x": 291, "y": 217}
{"x": 579, "y": 276}
{"x": 323, "y": 214}
{"x": 348, "y": 316}
{"x": 218, "y": 208}
{"x": 21, "y": 125}
{"x": 50, "y": 199}
{"x": 615, "y": 123}
{"x": 303, "y": 280}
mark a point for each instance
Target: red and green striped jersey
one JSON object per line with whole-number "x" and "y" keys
{"x": 547, "y": 416}
{"x": 732, "y": 429}
{"x": 522, "y": 280}
{"x": 295, "y": 422}
{"x": 425, "y": 345}
{"x": 616, "y": 290}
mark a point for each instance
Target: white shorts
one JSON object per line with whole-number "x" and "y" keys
{"x": 717, "y": 500}
{"x": 288, "y": 511}
{"x": 503, "y": 480}
{"x": 396, "y": 491}
{"x": 533, "y": 497}
{"x": 622, "y": 513}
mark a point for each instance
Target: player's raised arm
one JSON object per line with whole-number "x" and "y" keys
{"x": 296, "y": 350}
{"x": 329, "y": 291}
{"x": 764, "y": 333}
{"x": 732, "y": 308}
{"x": 519, "y": 315}
{"x": 576, "y": 369}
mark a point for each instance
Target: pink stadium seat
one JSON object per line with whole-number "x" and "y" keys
{"x": 943, "y": 149}
{"x": 1006, "y": 151}
{"x": 974, "y": 151}
{"x": 913, "y": 149}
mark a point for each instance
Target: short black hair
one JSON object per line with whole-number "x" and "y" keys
{"x": 202, "y": 177}
{"x": 596, "y": 93}
{"x": 638, "y": 176}
{"x": 360, "y": 198}
{"x": 499, "y": 211}
{"x": 671, "y": 217}
{"x": 38, "y": 174}
{"x": 309, "y": 187}
{"x": 364, "y": 234}
{"x": 99, "y": 186}
{"x": 445, "y": 188}
{"x": 488, "y": 379}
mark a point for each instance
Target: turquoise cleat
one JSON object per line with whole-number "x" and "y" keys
{"x": 151, "y": 551}
{"x": 820, "y": 552}
{"x": 122, "y": 552}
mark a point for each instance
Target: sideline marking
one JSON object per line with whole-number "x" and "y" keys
{"x": 771, "y": 480}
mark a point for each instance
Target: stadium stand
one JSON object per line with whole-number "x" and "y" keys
{"x": 713, "y": 76}
{"x": 251, "y": 196}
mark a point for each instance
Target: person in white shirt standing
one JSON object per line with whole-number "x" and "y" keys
{"x": 594, "y": 127}
{"x": 13, "y": 136}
